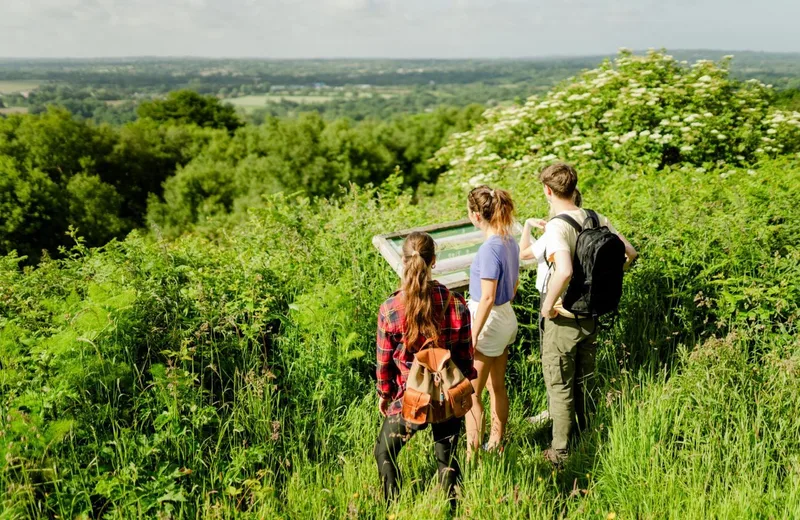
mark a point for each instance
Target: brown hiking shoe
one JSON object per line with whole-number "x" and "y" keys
{"x": 555, "y": 457}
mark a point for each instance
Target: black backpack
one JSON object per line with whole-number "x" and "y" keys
{"x": 596, "y": 285}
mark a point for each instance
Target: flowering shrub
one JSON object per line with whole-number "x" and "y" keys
{"x": 639, "y": 110}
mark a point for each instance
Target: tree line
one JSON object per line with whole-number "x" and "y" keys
{"x": 189, "y": 157}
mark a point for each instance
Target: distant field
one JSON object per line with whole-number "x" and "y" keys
{"x": 12, "y": 86}
{"x": 253, "y": 102}
{"x": 258, "y": 101}
{"x": 13, "y": 110}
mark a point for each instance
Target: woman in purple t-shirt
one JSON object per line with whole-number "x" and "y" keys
{"x": 493, "y": 280}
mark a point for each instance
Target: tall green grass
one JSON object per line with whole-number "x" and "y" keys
{"x": 229, "y": 374}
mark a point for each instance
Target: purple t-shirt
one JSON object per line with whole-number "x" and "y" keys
{"x": 497, "y": 259}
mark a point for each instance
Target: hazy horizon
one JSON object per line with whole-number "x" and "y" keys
{"x": 733, "y": 52}
{"x": 387, "y": 29}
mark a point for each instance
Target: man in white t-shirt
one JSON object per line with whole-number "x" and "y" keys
{"x": 568, "y": 345}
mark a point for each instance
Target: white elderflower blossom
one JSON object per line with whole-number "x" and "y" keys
{"x": 477, "y": 180}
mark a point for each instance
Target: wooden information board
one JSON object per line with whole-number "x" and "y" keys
{"x": 457, "y": 244}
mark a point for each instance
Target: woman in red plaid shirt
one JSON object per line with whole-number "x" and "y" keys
{"x": 422, "y": 309}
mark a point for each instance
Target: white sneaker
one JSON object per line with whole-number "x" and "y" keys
{"x": 542, "y": 419}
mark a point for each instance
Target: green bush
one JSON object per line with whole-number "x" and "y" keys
{"x": 639, "y": 111}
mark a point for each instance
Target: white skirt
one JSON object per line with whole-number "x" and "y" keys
{"x": 499, "y": 331}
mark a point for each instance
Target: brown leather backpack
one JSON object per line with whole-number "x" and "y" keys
{"x": 436, "y": 390}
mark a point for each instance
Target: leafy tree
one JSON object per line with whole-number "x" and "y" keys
{"x": 56, "y": 143}
{"x": 94, "y": 208}
{"x": 188, "y": 107}
{"x": 145, "y": 155}
{"x": 31, "y": 210}
{"x": 61, "y": 171}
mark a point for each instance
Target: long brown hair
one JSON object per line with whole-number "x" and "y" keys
{"x": 419, "y": 250}
{"x": 494, "y": 206}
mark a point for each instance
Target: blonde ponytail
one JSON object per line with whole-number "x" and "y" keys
{"x": 494, "y": 206}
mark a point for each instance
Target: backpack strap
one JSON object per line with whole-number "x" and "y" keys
{"x": 592, "y": 216}
{"x": 569, "y": 220}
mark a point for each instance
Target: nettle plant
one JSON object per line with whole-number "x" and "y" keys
{"x": 644, "y": 110}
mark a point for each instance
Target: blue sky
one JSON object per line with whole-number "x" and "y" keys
{"x": 389, "y": 28}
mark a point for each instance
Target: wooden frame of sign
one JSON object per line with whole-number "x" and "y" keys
{"x": 456, "y": 246}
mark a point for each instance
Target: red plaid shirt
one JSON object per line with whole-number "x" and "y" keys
{"x": 394, "y": 361}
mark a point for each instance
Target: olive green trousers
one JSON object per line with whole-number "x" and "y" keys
{"x": 568, "y": 362}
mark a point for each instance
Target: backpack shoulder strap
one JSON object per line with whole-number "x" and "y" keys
{"x": 592, "y": 216}
{"x": 569, "y": 220}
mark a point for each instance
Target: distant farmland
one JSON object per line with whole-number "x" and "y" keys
{"x": 254, "y": 102}
{"x": 13, "y": 86}
{"x": 13, "y": 110}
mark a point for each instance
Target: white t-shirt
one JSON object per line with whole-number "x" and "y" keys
{"x": 538, "y": 250}
{"x": 561, "y": 236}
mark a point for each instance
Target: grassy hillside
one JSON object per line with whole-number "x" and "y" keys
{"x": 229, "y": 373}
